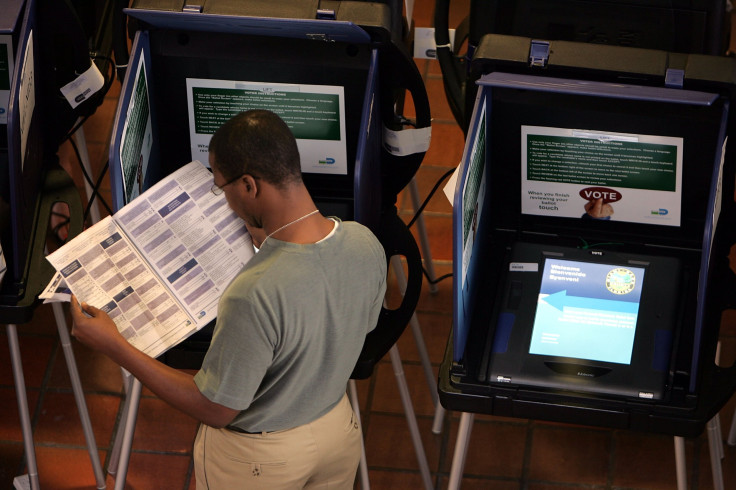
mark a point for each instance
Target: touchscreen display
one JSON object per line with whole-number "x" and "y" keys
{"x": 587, "y": 311}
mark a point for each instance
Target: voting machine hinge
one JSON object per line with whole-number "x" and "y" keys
{"x": 192, "y": 8}
{"x": 539, "y": 53}
{"x": 674, "y": 78}
{"x": 326, "y": 14}
{"x": 458, "y": 369}
{"x": 323, "y": 14}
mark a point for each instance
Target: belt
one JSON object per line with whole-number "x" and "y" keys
{"x": 243, "y": 431}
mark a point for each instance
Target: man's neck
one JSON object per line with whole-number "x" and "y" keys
{"x": 295, "y": 217}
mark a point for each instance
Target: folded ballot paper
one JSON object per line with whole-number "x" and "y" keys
{"x": 160, "y": 264}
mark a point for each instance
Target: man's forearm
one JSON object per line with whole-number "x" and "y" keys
{"x": 95, "y": 329}
{"x": 175, "y": 387}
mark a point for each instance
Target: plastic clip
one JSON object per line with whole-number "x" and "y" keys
{"x": 539, "y": 53}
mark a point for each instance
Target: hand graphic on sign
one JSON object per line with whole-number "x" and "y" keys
{"x": 598, "y": 202}
{"x": 596, "y": 208}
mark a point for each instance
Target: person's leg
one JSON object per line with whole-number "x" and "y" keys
{"x": 338, "y": 437}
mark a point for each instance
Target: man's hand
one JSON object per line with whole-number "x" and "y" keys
{"x": 94, "y": 328}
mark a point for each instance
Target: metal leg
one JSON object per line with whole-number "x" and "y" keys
{"x": 417, "y": 333}
{"x": 422, "y": 349}
{"x": 715, "y": 442}
{"x": 732, "y": 431}
{"x": 94, "y": 210}
{"x": 79, "y": 395}
{"x": 25, "y": 419}
{"x": 680, "y": 463}
{"x": 424, "y": 356}
{"x": 422, "y": 232}
{"x": 717, "y": 433}
{"x": 128, "y": 431}
{"x": 439, "y": 411}
{"x": 461, "y": 450}
{"x": 715, "y": 447}
{"x": 112, "y": 467}
{"x": 716, "y": 451}
{"x": 411, "y": 417}
{"x": 731, "y": 439}
{"x": 439, "y": 416}
{"x": 353, "y": 393}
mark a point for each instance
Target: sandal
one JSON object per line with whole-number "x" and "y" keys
{"x": 60, "y": 230}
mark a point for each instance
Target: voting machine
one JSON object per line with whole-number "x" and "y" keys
{"x": 592, "y": 222}
{"x": 332, "y": 70}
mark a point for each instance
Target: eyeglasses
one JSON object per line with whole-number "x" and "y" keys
{"x": 219, "y": 189}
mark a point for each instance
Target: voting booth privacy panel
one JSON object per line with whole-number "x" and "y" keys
{"x": 43, "y": 47}
{"x": 31, "y": 180}
{"x": 11, "y": 19}
{"x": 332, "y": 71}
{"x": 30, "y": 151}
{"x": 593, "y": 217}
{"x": 27, "y": 150}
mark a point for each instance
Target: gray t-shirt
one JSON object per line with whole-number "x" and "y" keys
{"x": 290, "y": 328}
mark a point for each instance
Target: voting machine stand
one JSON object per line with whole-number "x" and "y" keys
{"x": 332, "y": 71}
{"x": 591, "y": 274}
{"x": 36, "y": 182}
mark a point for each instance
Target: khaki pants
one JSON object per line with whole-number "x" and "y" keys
{"x": 321, "y": 454}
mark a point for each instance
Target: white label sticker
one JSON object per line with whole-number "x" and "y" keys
{"x": 524, "y": 267}
{"x": 84, "y": 86}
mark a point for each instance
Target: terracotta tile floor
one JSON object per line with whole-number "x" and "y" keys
{"x": 503, "y": 454}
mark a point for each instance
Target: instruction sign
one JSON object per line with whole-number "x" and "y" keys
{"x": 599, "y": 175}
{"x": 314, "y": 113}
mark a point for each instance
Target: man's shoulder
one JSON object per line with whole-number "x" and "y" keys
{"x": 357, "y": 230}
{"x": 355, "y": 227}
{"x": 361, "y": 240}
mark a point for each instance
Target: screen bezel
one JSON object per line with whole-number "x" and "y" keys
{"x": 507, "y": 361}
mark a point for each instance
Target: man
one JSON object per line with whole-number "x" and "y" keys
{"x": 271, "y": 390}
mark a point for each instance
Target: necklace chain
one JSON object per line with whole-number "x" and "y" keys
{"x": 288, "y": 224}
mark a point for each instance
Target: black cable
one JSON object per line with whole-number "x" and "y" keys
{"x": 587, "y": 245}
{"x": 437, "y": 280}
{"x": 416, "y": 216}
{"x": 452, "y": 71}
{"x": 431, "y": 193}
{"x": 93, "y": 185}
{"x": 96, "y": 193}
{"x": 81, "y": 166}
{"x": 119, "y": 38}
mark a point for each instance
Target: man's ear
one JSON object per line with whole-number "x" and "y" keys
{"x": 251, "y": 186}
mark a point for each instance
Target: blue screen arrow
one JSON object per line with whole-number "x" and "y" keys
{"x": 560, "y": 300}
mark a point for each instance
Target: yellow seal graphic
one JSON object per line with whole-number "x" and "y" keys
{"x": 620, "y": 281}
